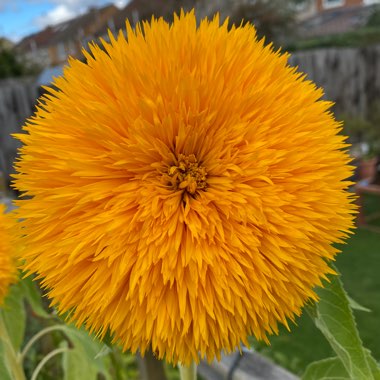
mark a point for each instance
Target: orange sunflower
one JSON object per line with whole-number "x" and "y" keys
{"x": 7, "y": 265}
{"x": 185, "y": 187}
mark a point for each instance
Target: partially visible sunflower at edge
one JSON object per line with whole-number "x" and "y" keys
{"x": 186, "y": 187}
{"x": 8, "y": 270}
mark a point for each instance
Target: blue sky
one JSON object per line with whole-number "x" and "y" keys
{"x": 19, "y": 18}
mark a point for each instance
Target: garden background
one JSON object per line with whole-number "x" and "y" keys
{"x": 337, "y": 44}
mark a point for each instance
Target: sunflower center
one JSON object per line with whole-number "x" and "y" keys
{"x": 187, "y": 174}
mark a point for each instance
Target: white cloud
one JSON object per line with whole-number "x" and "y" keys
{"x": 58, "y": 14}
{"x": 121, "y": 3}
{"x": 67, "y": 9}
{"x": 78, "y": 6}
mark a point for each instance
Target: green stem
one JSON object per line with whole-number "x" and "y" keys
{"x": 12, "y": 358}
{"x": 45, "y": 360}
{"x": 37, "y": 336}
{"x": 188, "y": 373}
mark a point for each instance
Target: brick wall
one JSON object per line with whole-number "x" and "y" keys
{"x": 324, "y": 4}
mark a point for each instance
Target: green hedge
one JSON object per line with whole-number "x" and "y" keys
{"x": 358, "y": 38}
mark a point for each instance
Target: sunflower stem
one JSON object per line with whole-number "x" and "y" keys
{"x": 188, "y": 372}
{"x": 10, "y": 354}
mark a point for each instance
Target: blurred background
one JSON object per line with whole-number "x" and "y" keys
{"x": 335, "y": 42}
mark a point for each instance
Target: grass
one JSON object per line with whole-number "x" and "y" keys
{"x": 359, "y": 265}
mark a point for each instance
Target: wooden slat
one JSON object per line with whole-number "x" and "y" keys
{"x": 250, "y": 366}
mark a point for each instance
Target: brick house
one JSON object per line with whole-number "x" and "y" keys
{"x": 53, "y": 45}
{"x": 323, "y": 5}
{"x": 325, "y": 17}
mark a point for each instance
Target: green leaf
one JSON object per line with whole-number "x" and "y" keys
{"x": 33, "y": 296}
{"x": 76, "y": 367}
{"x": 356, "y": 306}
{"x": 14, "y": 315}
{"x": 375, "y": 368}
{"x": 335, "y": 320}
{"x": 326, "y": 369}
{"x": 333, "y": 369}
{"x": 105, "y": 350}
{"x": 80, "y": 362}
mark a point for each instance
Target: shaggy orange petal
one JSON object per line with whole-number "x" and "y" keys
{"x": 185, "y": 188}
{"x": 7, "y": 261}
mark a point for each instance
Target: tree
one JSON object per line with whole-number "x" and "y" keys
{"x": 273, "y": 19}
{"x": 9, "y": 65}
{"x": 12, "y": 64}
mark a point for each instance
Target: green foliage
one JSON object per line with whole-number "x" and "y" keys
{"x": 274, "y": 20}
{"x": 326, "y": 369}
{"x": 9, "y": 65}
{"x": 72, "y": 352}
{"x": 356, "y": 306}
{"x": 14, "y": 315}
{"x": 367, "y": 130}
{"x": 304, "y": 344}
{"x": 12, "y": 65}
{"x": 358, "y": 38}
{"x": 374, "y": 18}
{"x": 82, "y": 360}
{"x": 334, "y": 317}
{"x": 333, "y": 369}
{"x": 4, "y": 369}
{"x": 33, "y": 296}
{"x": 356, "y": 128}
{"x": 359, "y": 266}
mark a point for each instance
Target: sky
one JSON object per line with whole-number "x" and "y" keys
{"x": 19, "y": 18}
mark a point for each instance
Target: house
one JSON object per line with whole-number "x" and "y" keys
{"x": 326, "y": 17}
{"x": 53, "y": 45}
{"x": 323, "y": 5}
{"x": 311, "y": 8}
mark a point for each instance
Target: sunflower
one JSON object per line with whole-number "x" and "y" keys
{"x": 184, "y": 189}
{"x": 7, "y": 264}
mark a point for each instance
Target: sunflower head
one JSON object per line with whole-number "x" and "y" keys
{"x": 7, "y": 258}
{"x": 185, "y": 189}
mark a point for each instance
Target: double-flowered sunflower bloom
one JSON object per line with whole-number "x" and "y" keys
{"x": 185, "y": 187}
{"x": 7, "y": 258}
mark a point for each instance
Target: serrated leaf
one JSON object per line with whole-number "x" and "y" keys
{"x": 335, "y": 320}
{"x": 326, "y": 369}
{"x": 75, "y": 367}
{"x": 14, "y": 315}
{"x": 80, "y": 362}
{"x": 333, "y": 369}
{"x": 375, "y": 368}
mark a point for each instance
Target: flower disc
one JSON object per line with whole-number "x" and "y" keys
{"x": 185, "y": 187}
